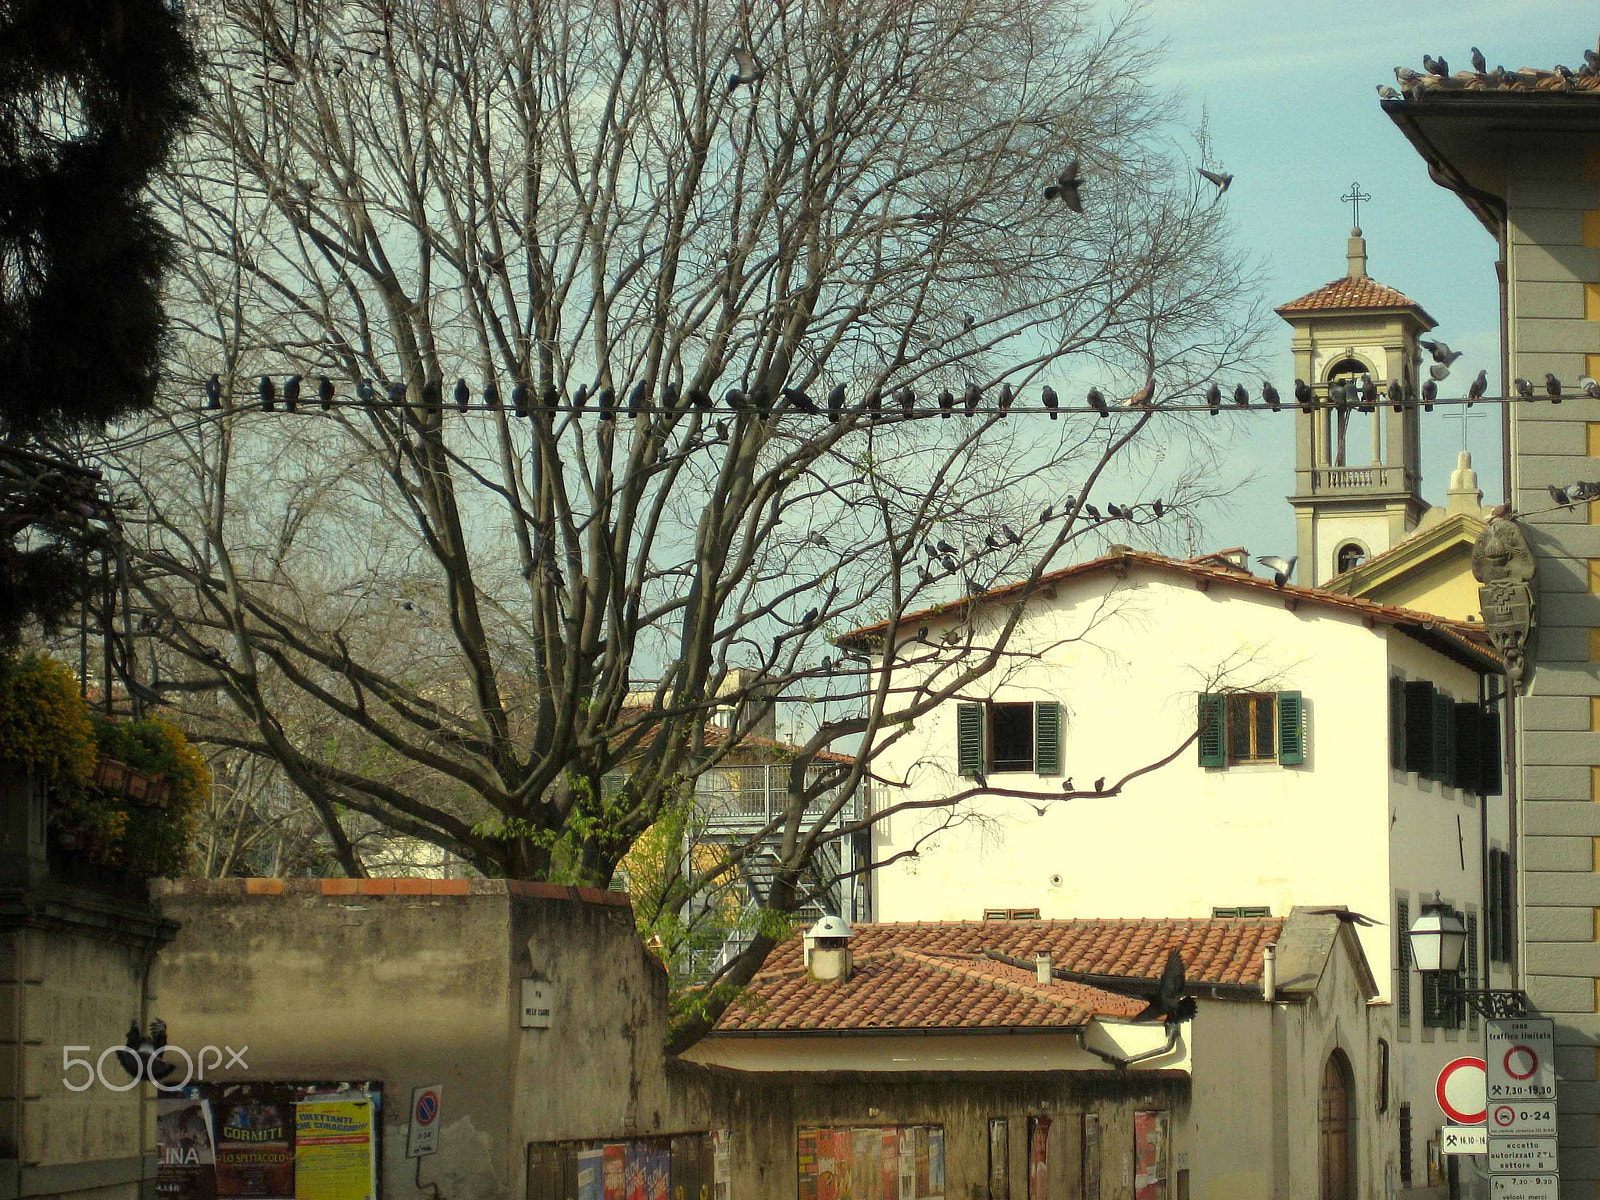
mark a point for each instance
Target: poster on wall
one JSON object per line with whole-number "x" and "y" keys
{"x": 1038, "y": 1165}
{"x": 870, "y": 1162}
{"x": 1150, "y": 1155}
{"x": 333, "y": 1157}
{"x": 255, "y": 1149}
{"x": 721, "y": 1163}
{"x": 936, "y": 1160}
{"x": 806, "y": 1161}
{"x": 592, "y": 1173}
{"x": 186, "y": 1160}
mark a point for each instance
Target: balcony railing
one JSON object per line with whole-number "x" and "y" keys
{"x": 1375, "y": 478}
{"x": 750, "y": 796}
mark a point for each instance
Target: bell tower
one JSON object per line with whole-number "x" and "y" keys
{"x": 1358, "y": 473}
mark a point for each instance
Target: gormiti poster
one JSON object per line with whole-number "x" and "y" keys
{"x": 333, "y": 1153}
{"x": 255, "y": 1149}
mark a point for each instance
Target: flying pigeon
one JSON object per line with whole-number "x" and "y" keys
{"x": 1241, "y": 397}
{"x": 1440, "y": 351}
{"x": 1270, "y": 395}
{"x": 1430, "y": 393}
{"x": 1346, "y": 916}
{"x": 1214, "y": 399}
{"x": 1479, "y": 63}
{"x": 1143, "y": 397}
{"x": 463, "y": 395}
{"x": 1050, "y": 400}
{"x": 214, "y": 392}
{"x": 1097, "y": 401}
{"x": 1589, "y": 386}
{"x": 971, "y": 397}
{"x": 1281, "y": 568}
{"x": 1479, "y": 386}
{"x": 1065, "y": 188}
{"x": 1552, "y": 387}
{"x": 141, "y": 1055}
{"x": 325, "y": 392}
{"x": 1438, "y": 372}
{"x": 1303, "y": 395}
{"x": 750, "y": 72}
{"x": 1221, "y": 178}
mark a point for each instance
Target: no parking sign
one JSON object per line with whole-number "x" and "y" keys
{"x": 424, "y": 1138}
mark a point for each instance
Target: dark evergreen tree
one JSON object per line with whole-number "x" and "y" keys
{"x": 92, "y": 95}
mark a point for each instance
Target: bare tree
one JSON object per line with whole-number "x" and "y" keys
{"x": 521, "y": 613}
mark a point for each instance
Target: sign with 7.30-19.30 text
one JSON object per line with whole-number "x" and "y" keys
{"x": 1520, "y": 1059}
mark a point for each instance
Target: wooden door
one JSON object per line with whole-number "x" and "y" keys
{"x": 1336, "y": 1130}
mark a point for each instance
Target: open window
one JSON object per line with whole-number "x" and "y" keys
{"x": 1008, "y": 736}
{"x": 1251, "y": 727}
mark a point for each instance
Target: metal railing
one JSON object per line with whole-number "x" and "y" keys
{"x": 750, "y": 796}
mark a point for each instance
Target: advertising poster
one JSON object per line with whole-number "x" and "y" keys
{"x": 721, "y": 1163}
{"x": 891, "y": 1165}
{"x": 657, "y": 1170}
{"x": 844, "y": 1148}
{"x": 921, "y": 1135}
{"x": 634, "y": 1160}
{"x": 615, "y": 1173}
{"x": 255, "y": 1149}
{"x": 1150, "y": 1155}
{"x": 1038, "y": 1169}
{"x": 907, "y": 1153}
{"x": 186, "y": 1160}
{"x": 936, "y": 1161}
{"x": 591, "y": 1173}
{"x": 806, "y": 1162}
{"x": 827, "y": 1184}
{"x": 333, "y": 1157}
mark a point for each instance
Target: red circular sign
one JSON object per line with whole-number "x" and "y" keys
{"x": 1462, "y": 1090}
{"x": 427, "y": 1108}
{"x": 1524, "y": 1057}
{"x": 1504, "y": 1114}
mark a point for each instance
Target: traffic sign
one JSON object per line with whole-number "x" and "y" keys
{"x": 1523, "y": 1118}
{"x": 424, "y": 1136}
{"x": 1521, "y": 1058}
{"x": 1463, "y": 1139}
{"x": 1522, "y": 1154}
{"x": 1460, "y": 1090}
{"x": 1524, "y": 1187}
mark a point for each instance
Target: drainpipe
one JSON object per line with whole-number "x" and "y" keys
{"x": 1269, "y": 973}
{"x": 1122, "y": 1064}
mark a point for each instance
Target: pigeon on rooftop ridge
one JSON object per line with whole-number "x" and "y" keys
{"x": 1282, "y": 568}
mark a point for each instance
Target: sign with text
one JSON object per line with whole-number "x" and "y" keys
{"x": 1524, "y": 1187}
{"x": 1463, "y": 1139}
{"x": 1520, "y": 1059}
{"x": 424, "y": 1132}
{"x": 537, "y": 999}
{"x": 1523, "y": 1118}
{"x": 1527, "y": 1155}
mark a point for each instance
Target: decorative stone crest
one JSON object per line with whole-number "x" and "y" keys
{"x": 1504, "y": 567}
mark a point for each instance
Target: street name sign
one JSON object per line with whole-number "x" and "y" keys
{"x": 1525, "y": 1155}
{"x": 1520, "y": 1058}
{"x": 1523, "y": 1118}
{"x": 1463, "y": 1139}
{"x": 1524, "y": 1187}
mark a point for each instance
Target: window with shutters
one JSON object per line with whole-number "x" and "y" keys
{"x": 1504, "y": 914}
{"x": 1402, "y": 960}
{"x": 1468, "y": 755}
{"x": 1244, "y": 910}
{"x": 1405, "y": 1145}
{"x": 1010, "y": 736}
{"x": 1397, "y": 723}
{"x": 1491, "y": 909}
{"x": 1419, "y": 727}
{"x": 1472, "y": 965}
{"x": 1489, "y": 753}
{"x": 1251, "y": 727}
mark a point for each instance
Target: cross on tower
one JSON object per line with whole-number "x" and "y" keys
{"x": 1462, "y": 415}
{"x": 1354, "y": 197}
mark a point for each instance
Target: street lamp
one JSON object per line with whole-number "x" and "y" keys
{"x": 1438, "y": 943}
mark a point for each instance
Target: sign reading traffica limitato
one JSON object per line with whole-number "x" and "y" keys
{"x": 1520, "y": 1059}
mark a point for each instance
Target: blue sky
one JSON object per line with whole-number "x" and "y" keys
{"x": 1289, "y": 91}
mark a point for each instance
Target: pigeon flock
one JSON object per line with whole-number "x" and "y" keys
{"x": 1436, "y": 76}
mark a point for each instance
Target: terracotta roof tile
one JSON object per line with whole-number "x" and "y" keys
{"x": 938, "y": 975}
{"x": 1526, "y": 81}
{"x": 1345, "y": 293}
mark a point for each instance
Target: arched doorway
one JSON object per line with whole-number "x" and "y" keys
{"x": 1336, "y": 1130}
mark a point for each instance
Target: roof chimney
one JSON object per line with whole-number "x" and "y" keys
{"x": 1355, "y": 255}
{"x": 1269, "y": 973}
{"x": 827, "y": 945}
{"x": 1041, "y": 962}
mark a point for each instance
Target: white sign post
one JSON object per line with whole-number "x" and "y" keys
{"x": 1524, "y": 1187}
{"x": 1520, "y": 1057}
{"x": 1463, "y": 1139}
{"x": 1520, "y": 1065}
{"x": 1523, "y": 1118}
{"x": 424, "y": 1136}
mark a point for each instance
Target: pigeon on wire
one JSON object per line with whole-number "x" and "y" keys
{"x": 971, "y": 398}
{"x": 1560, "y": 496}
{"x": 1066, "y": 186}
{"x": 638, "y": 398}
{"x": 365, "y": 392}
{"x": 463, "y": 395}
{"x": 1007, "y": 397}
{"x": 836, "y": 399}
{"x": 1441, "y": 352}
{"x": 1478, "y": 387}
{"x": 267, "y": 391}
{"x": 1589, "y": 387}
{"x": 1369, "y": 393}
{"x": 1303, "y": 395}
{"x": 432, "y": 392}
{"x": 291, "y": 393}
{"x": 1145, "y": 395}
{"x": 1336, "y": 393}
{"x": 1214, "y": 399}
{"x": 519, "y": 399}
{"x": 1430, "y": 393}
{"x": 1050, "y": 400}
{"x": 1552, "y": 387}
{"x": 141, "y": 1055}
{"x": 947, "y": 403}
{"x": 750, "y": 73}
{"x": 1241, "y": 397}
{"x": 1097, "y": 401}
{"x": 1221, "y": 178}
{"x": 325, "y": 393}
{"x": 1270, "y": 395}
{"x": 1282, "y": 568}
{"x": 1397, "y": 394}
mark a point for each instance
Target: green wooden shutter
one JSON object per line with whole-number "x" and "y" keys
{"x": 1508, "y": 907}
{"x": 1419, "y": 727}
{"x": 1047, "y": 737}
{"x": 1491, "y": 906}
{"x": 1397, "y": 723}
{"x": 1213, "y": 739}
{"x": 1291, "y": 729}
{"x": 1468, "y": 724}
{"x": 969, "y": 739}
{"x": 1402, "y": 959}
{"x": 1443, "y": 724}
{"x": 1472, "y": 966}
{"x": 1489, "y": 753}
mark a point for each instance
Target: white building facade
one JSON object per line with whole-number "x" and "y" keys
{"x": 1323, "y": 752}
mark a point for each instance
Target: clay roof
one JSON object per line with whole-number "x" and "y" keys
{"x": 1467, "y": 643}
{"x": 1526, "y": 81}
{"x": 941, "y": 976}
{"x": 1345, "y": 293}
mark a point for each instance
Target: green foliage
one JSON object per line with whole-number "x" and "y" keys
{"x": 44, "y": 722}
{"x": 151, "y": 840}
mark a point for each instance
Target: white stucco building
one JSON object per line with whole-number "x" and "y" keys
{"x": 1325, "y": 751}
